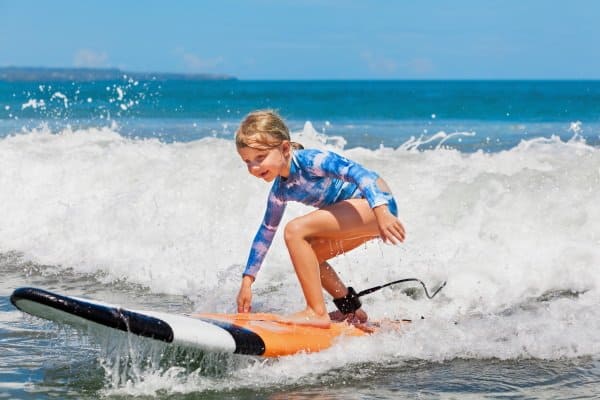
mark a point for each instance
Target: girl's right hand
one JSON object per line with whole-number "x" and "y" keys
{"x": 390, "y": 227}
{"x": 244, "y": 297}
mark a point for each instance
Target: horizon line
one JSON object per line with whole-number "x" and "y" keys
{"x": 226, "y": 76}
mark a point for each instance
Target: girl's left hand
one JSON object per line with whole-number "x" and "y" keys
{"x": 390, "y": 227}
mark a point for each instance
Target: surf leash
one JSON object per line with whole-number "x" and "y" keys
{"x": 351, "y": 302}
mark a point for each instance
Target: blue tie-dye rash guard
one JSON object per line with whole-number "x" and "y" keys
{"x": 317, "y": 178}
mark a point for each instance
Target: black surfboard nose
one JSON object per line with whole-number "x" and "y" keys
{"x": 112, "y": 317}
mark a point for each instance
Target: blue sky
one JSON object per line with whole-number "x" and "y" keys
{"x": 285, "y": 39}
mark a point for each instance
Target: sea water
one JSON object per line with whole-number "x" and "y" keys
{"x": 132, "y": 193}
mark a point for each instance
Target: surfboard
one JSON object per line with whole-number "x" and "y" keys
{"x": 258, "y": 334}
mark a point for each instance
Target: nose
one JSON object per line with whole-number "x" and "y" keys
{"x": 254, "y": 168}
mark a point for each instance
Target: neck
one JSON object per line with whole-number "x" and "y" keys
{"x": 286, "y": 171}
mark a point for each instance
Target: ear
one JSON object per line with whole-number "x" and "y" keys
{"x": 286, "y": 148}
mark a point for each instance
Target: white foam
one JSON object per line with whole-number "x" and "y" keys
{"x": 508, "y": 230}
{"x": 33, "y": 103}
{"x": 61, "y": 96}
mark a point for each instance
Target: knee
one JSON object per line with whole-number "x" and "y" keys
{"x": 294, "y": 230}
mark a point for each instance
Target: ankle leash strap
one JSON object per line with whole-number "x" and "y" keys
{"x": 349, "y": 303}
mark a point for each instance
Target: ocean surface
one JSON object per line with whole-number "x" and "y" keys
{"x": 131, "y": 192}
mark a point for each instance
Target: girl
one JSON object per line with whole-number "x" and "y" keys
{"x": 354, "y": 206}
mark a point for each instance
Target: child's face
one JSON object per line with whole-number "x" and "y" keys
{"x": 267, "y": 164}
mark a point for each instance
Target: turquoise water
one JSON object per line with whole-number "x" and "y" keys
{"x": 369, "y": 113}
{"x": 132, "y": 193}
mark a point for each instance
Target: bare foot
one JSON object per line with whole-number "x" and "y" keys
{"x": 359, "y": 317}
{"x": 309, "y": 318}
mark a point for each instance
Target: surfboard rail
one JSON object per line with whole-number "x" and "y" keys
{"x": 258, "y": 334}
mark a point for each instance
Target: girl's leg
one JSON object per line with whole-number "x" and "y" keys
{"x": 350, "y": 221}
{"x": 332, "y": 283}
{"x": 326, "y": 249}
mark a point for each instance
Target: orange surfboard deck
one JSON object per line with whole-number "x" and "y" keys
{"x": 281, "y": 337}
{"x": 266, "y": 335}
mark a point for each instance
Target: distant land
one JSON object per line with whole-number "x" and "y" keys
{"x": 43, "y": 74}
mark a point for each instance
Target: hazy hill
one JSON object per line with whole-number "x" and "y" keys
{"x": 42, "y": 74}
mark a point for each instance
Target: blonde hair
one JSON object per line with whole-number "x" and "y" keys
{"x": 263, "y": 129}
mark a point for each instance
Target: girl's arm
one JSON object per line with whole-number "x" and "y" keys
{"x": 391, "y": 229}
{"x": 332, "y": 164}
{"x": 326, "y": 163}
{"x": 258, "y": 251}
{"x": 266, "y": 233}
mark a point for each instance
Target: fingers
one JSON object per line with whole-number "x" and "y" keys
{"x": 244, "y": 306}
{"x": 390, "y": 227}
{"x": 398, "y": 231}
{"x": 393, "y": 233}
{"x": 244, "y": 302}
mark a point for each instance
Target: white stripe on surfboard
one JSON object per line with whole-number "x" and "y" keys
{"x": 187, "y": 331}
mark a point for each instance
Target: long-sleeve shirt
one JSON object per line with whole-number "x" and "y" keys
{"x": 316, "y": 178}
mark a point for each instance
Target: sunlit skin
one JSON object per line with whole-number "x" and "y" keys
{"x": 267, "y": 164}
{"x": 318, "y": 236}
